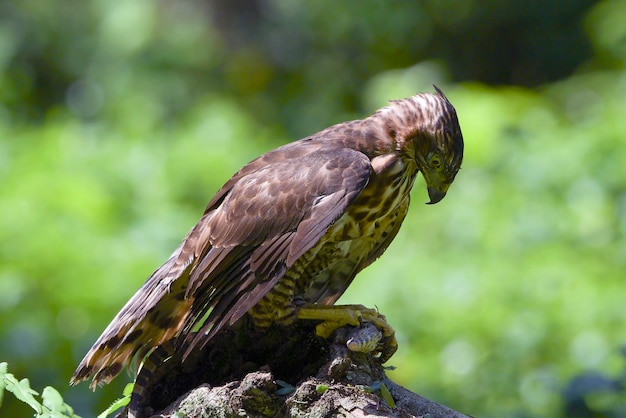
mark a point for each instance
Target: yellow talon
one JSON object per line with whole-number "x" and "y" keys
{"x": 337, "y": 316}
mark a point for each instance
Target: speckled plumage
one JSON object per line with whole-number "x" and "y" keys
{"x": 293, "y": 226}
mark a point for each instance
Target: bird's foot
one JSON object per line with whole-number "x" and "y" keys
{"x": 365, "y": 338}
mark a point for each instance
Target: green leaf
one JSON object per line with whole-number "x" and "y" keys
{"x": 283, "y": 384}
{"x": 52, "y": 399}
{"x": 118, "y": 403}
{"x": 3, "y": 372}
{"x": 128, "y": 389}
{"x": 285, "y": 391}
{"x": 23, "y": 392}
{"x": 285, "y": 388}
{"x": 321, "y": 388}
{"x": 386, "y": 395}
{"x": 53, "y": 405}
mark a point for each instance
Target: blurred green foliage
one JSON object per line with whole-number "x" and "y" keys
{"x": 119, "y": 119}
{"x": 51, "y": 404}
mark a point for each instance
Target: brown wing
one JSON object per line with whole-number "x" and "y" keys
{"x": 257, "y": 225}
{"x": 266, "y": 222}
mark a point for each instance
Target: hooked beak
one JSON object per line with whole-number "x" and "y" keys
{"x": 435, "y": 195}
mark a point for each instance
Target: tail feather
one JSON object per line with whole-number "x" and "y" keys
{"x": 144, "y": 379}
{"x": 155, "y": 314}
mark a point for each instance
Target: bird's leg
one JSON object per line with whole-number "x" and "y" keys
{"x": 337, "y": 316}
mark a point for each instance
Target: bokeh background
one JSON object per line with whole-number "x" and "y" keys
{"x": 120, "y": 118}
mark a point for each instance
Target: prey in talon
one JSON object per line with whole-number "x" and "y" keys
{"x": 368, "y": 323}
{"x": 297, "y": 224}
{"x": 364, "y": 339}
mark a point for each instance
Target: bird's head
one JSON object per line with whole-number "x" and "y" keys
{"x": 438, "y": 143}
{"x": 441, "y": 160}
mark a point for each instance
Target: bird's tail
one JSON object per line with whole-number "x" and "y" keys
{"x": 144, "y": 379}
{"x": 155, "y": 314}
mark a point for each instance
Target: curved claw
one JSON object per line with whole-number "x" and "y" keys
{"x": 334, "y": 317}
{"x": 390, "y": 346}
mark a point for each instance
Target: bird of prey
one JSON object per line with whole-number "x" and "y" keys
{"x": 286, "y": 235}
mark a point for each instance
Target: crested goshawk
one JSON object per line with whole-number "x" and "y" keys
{"x": 286, "y": 235}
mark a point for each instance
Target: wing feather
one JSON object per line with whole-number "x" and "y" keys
{"x": 280, "y": 212}
{"x": 256, "y": 226}
{"x": 140, "y": 320}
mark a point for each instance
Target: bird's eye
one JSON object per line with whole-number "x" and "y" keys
{"x": 435, "y": 161}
